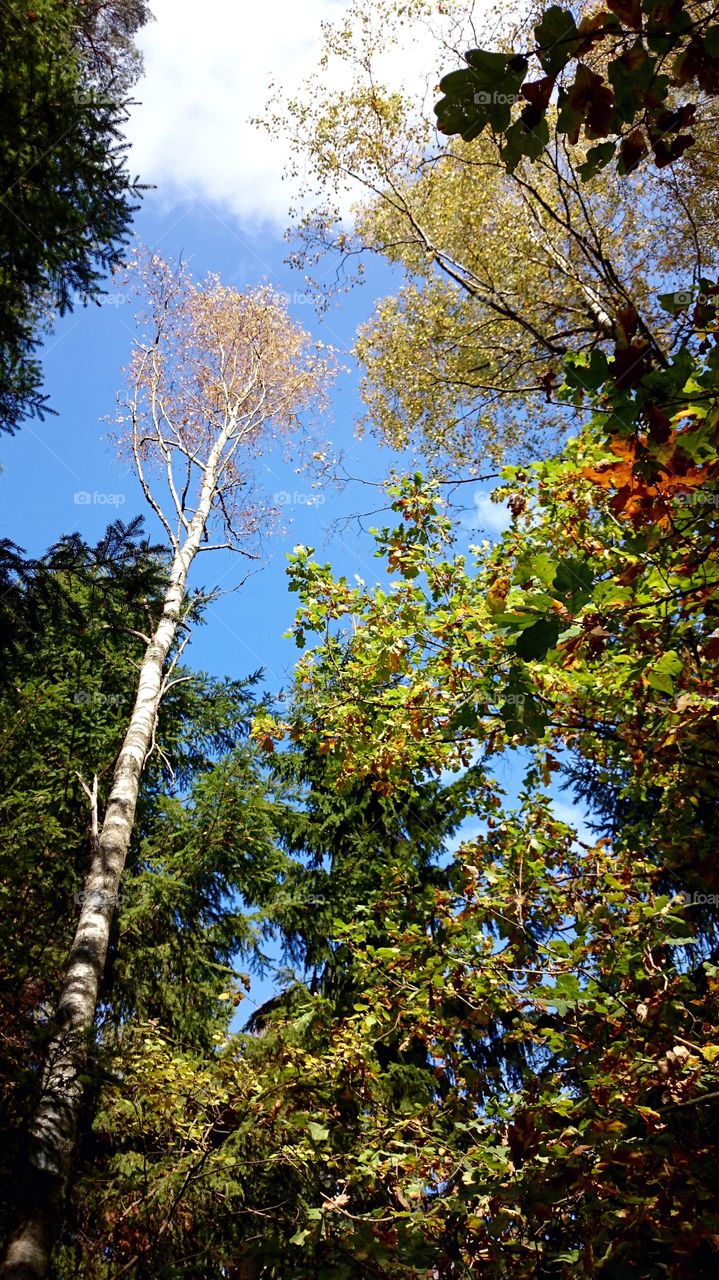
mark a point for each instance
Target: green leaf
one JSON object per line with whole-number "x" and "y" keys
{"x": 522, "y": 140}
{"x": 456, "y": 84}
{"x": 597, "y": 158}
{"x": 710, "y": 40}
{"x": 540, "y": 565}
{"x": 534, "y": 643}
{"x": 483, "y": 94}
{"x": 514, "y": 621}
{"x": 556, "y": 36}
{"x": 487, "y": 69}
{"x": 626, "y": 98}
{"x": 512, "y": 151}
{"x": 661, "y": 674}
{"x": 675, "y": 302}
{"x": 523, "y": 715}
{"x": 466, "y": 717}
{"x": 317, "y": 1132}
{"x": 589, "y": 374}
{"x": 573, "y": 582}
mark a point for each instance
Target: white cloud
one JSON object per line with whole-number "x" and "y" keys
{"x": 491, "y": 517}
{"x": 207, "y": 73}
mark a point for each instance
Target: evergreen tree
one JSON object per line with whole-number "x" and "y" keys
{"x": 66, "y": 196}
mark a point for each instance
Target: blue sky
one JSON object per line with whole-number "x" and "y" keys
{"x": 62, "y": 474}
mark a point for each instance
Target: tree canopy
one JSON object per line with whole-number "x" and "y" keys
{"x": 502, "y": 275}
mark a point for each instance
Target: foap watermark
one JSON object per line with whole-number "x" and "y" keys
{"x": 297, "y": 298}
{"x": 111, "y": 299}
{"x": 98, "y": 898}
{"x": 83, "y": 498}
{"x": 697, "y": 499}
{"x": 104, "y": 299}
{"x": 92, "y": 697}
{"x": 682, "y": 298}
{"x": 695, "y": 899}
{"x": 85, "y": 97}
{"x": 485, "y": 99}
{"x": 284, "y": 498}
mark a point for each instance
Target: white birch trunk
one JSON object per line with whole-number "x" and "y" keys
{"x": 54, "y": 1127}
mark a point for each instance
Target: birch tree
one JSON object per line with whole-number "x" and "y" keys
{"x": 502, "y": 275}
{"x": 216, "y": 378}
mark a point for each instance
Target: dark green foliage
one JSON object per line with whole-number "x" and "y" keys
{"x": 637, "y": 73}
{"x": 341, "y": 844}
{"x": 200, "y": 864}
{"x": 66, "y": 199}
{"x": 68, "y": 587}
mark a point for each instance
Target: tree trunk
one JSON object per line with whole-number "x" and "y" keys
{"x": 54, "y": 1127}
